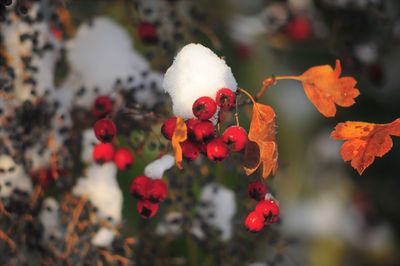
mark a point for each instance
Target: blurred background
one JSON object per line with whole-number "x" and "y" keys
{"x": 329, "y": 214}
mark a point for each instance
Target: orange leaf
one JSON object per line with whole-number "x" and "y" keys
{"x": 262, "y": 146}
{"x": 324, "y": 88}
{"x": 179, "y": 135}
{"x": 365, "y": 141}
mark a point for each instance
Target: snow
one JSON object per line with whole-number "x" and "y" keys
{"x": 13, "y": 177}
{"x": 195, "y": 72}
{"x": 103, "y": 238}
{"x": 89, "y": 140}
{"x": 49, "y": 216}
{"x": 156, "y": 169}
{"x": 102, "y": 188}
{"x": 220, "y": 206}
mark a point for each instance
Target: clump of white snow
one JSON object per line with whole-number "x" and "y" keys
{"x": 196, "y": 71}
{"x": 50, "y": 218}
{"x": 156, "y": 169}
{"x": 218, "y": 208}
{"x": 89, "y": 140}
{"x": 12, "y": 177}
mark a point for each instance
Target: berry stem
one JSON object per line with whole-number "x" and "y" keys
{"x": 241, "y": 90}
{"x": 288, "y": 77}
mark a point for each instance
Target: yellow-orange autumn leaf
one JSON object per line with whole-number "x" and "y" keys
{"x": 262, "y": 148}
{"x": 179, "y": 135}
{"x": 365, "y": 141}
{"x": 324, "y": 88}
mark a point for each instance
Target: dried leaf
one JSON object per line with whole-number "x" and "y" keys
{"x": 365, "y": 141}
{"x": 324, "y": 88}
{"x": 179, "y": 135}
{"x": 262, "y": 146}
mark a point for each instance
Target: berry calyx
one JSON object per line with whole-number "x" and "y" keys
{"x": 139, "y": 185}
{"x": 257, "y": 190}
{"x": 204, "y": 108}
{"x": 123, "y": 158}
{"x": 254, "y": 221}
{"x": 190, "y": 150}
{"x": 217, "y": 150}
{"x": 168, "y": 127}
{"x": 102, "y": 106}
{"x": 269, "y": 209}
{"x": 105, "y": 130}
{"x": 204, "y": 131}
{"x": 157, "y": 191}
{"x": 147, "y": 32}
{"x": 235, "y": 137}
{"x": 225, "y": 99}
{"x": 103, "y": 152}
{"x": 147, "y": 209}
{"x": 190, "y": 125}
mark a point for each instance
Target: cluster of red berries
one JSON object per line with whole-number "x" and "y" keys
{"x": 105, "y": 130}
{"x": 149, "y": 192}
{"x": 105, "y": 152}
{"x": 266, "y": 211}
{"x": 201, "y": 132}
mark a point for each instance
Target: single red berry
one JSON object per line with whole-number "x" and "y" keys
{"x": 147, "y": 209}
{"x": 204, "y": 131}
{"x": 157, "y": 191}
{"x": 102, "y": 106}
{"x": 103, "y": 152}
{"x": 190, "y": 150}
{"x": 257, "y": 190}
{"x": 226, "y": 99}
{"x": 123, "y": 158}
{"x": 299, "y": 29}
{"x": 235, "y": 137}
{"x": 269, "y": 209}
{"x": 42, "y": 177}
{"x": 254, "y": 221}
{"x": 168, "y": 127}
{"x": 217, "y": 150}
{"x": 105, "y": 130}
{"x": 190, "y": 124}
{"x": 139, "y": 185}
{"x": 147, "y": 32}
{"x": 204, "y": 108}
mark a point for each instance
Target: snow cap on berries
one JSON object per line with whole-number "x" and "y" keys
{"x": 197, "y": 71}
{"x": 156, "y": 169}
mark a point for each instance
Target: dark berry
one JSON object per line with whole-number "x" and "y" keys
{"x": 190, "y": 150}
{"x": 257, "y": 190}
{"x": 147, "y": 209}
{"x": 102, "y": 106}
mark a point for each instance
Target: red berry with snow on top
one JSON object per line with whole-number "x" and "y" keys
{"x": 204, "y": 108}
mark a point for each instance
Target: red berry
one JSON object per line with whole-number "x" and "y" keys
{"x": 105, "y": 130}
{"x": 257, "y": 190}
{"x": 226, "y": 99}
{"x": 168, "y": 127}
{"x": 42, "y": 177}
{"x": 147, "y": 209}
{"x": 204, "y": 131}
{"x": 139, "y": 186}
{"x": 157, "y": 191}
{"x": 217, "y": 150}
{"x": 235, "y": 137}
{"x": 103, "y": 152}
{"x": 147, "y": 32}
{"x": 254, "y": 221}
{"x": 123, "y": 158}
{"x": 269, "y": 209}
{"x": 204, "y": 108}
{"x": 102, "y": 106}
{"x": 190, "y": 124}
{"x": 299, "y": 29}
{"x": 190, "y": 150}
